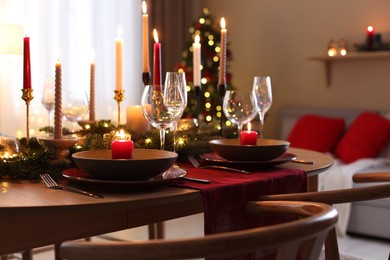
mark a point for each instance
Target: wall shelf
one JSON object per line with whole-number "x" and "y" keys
{"x": 352, "y": 56}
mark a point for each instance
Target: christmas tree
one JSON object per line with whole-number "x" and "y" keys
{"x": 209, "y": 109}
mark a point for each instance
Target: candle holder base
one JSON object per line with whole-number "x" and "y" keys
{"x": 59, "y": 146}
{"x": 221, "y": 92}
{"x": 27, "y": 96}
{"x": 146, "y": 78}
{"x": 119, "y": 97}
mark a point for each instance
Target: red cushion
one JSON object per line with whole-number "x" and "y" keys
{"x": 367, "y": 136}
{"x": 316, "y": 132}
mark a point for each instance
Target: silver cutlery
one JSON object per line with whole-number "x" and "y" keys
{"x": 302, "y": 161}
{"x": 196, "y": 180}
{"x": 52, "y": 184}
{"x": 196, "y": 164}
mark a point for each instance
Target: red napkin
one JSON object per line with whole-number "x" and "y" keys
{"x": 225, "y": 197}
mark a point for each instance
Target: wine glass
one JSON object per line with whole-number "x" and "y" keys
{"x": 263, "y": 94}
{"x": 239, "y": 107}
{"x": 48, "y": 97}
{"x": 175, "y": 100}
{"x": 74, "y": 107}
{"x": 154, "y": 110}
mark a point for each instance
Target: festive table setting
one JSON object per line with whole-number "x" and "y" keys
{"x": 147, "y": 158}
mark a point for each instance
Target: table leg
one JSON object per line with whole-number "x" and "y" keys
{"x": 27, "y": 255}
{"x": 156, "y": 230}
{"x": 312, "y": 183}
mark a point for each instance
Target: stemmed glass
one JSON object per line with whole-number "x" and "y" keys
{"x": 175, "y": 100}
{"x": 263, "y": 94}
{"x": 74, "y": 107}
{"x": 154, "y": 110}
{"x": 239, "y": 107}
{"x": 48, "y": 97}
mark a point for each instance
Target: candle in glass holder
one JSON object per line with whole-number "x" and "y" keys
{"x": 122, "y": 146}
{"x": 248, "y": 137}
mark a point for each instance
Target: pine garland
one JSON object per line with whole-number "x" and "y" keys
{"x": 33, "y": 159}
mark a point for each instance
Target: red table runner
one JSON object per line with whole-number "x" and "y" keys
{"x": 225, "y": 197}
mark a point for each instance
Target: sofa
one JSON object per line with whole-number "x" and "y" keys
{"x": 369, "y": 218}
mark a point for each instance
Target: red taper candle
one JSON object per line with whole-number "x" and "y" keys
{"x": 26, "y": 64}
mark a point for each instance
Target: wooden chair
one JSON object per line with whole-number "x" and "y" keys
{"x": 338, "y": 197}
{"x": 310, "y": 229}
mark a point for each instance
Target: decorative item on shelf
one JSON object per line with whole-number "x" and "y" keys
{"x": 373, "y": 42}
{"x": 370, "y": 38}
{"x": 342, "y": 47}
{"x": 332, "y": 48}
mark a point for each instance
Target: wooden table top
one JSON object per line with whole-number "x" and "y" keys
{"x": 32, "y": 215}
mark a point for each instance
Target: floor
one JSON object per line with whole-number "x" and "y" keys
{"x": 358, "y": 247}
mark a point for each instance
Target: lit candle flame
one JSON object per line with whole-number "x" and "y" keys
{"x": 223, "y": 23}
{"x": 121, "y": 134}
{"x": 249, "y": 127}
{"x": 119, "y": 31}
{"x": 144, "y": 8}
{"x": 370, "y": 28}
{"x": 197, "y": 38}
{"x": 155, "y": 35}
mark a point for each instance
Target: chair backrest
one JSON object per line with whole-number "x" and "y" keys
{"x": 303, "y": 236}
{"x": 341, "y": 196}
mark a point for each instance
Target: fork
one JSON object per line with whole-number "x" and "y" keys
{"x": 196, "y": 164}
{"x": 52, "y": 184}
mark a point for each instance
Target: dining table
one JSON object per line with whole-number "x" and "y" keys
{"x": 31, "y": 215}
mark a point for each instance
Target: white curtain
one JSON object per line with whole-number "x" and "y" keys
{"x": 73, "y": 29}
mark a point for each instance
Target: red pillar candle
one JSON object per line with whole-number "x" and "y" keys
{"x": 122, "y": 146}
{"x": 248, "y": 137}
{"x": 26, "y": 64}
{"x": 157, "y": 60}
{"x": 370, "y": 37}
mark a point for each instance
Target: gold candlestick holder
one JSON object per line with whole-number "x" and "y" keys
{"x": 119, "y": 97}
{"x": 27, "y": 96}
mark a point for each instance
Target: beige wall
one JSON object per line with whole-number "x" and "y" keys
{"x": 274, "y": 37}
